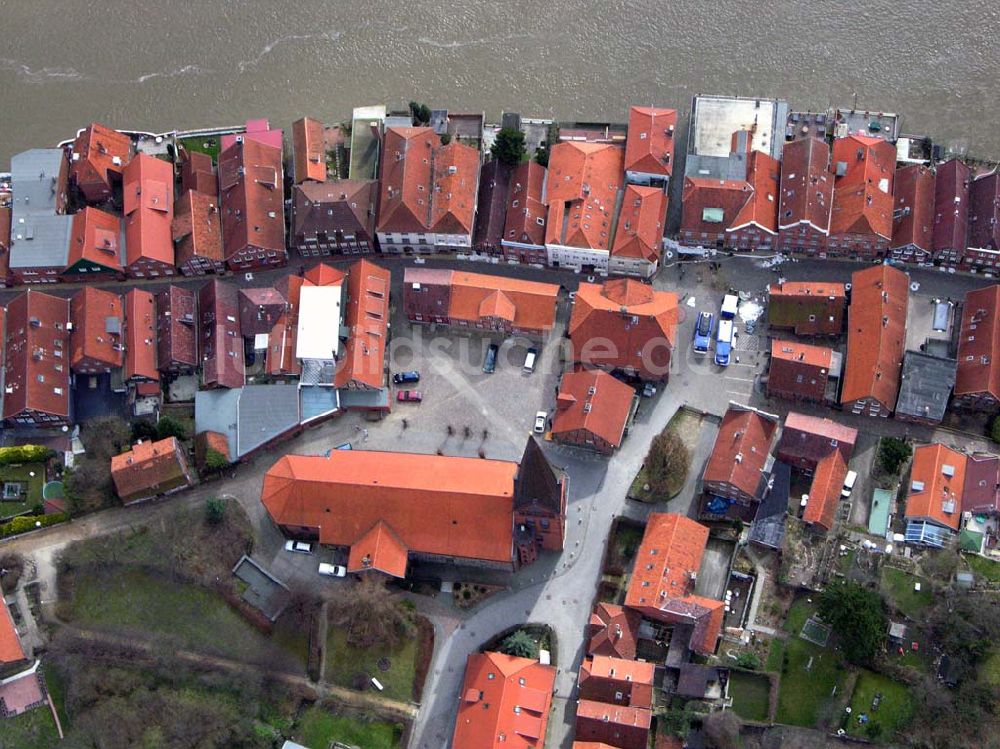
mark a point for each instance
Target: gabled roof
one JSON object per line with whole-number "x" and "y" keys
{"x": 177, "y": 340}
{"x": 324, "y": 274}
{"x": 97, "y": 317}
{"x": 803, "y": 353}
{"x": 494, "y": 185}
{"x": 10, "y": 644}
{"x": 712, "y": 205}
{"x": 309, "y": 150}
{"x": 351, "y": 201}
{"x": 984, "y": 211}
{"x": 96, "y": 238}
{"x": 806, "y": 184}
{"x": 612, "y": 630}
{"x": 35, "y": 377}
{"x": 504, "y": 704}
{"x": 603, "y": 712}
{"x": 761, "y": 209}
{"x": 454, "y": 507}
{"x": 197, "y": 229}
{"x": 593, "y": 401}
{"x": 663, "y": 578}
{"x": 979, "y": 338}
{"x": 251, "y": 182}
{"x": 525, "y": 218}
{"x": 634, "y": 677}
{"x": 914, "y": 206}
{"x": 641, "y": 223}
{"x": 824, "y": 491}
{"x": 741, "y": 449}
{"x": 146, "y": 464}
{"x": 379, "y": 549}
{"x": 140, "y": 335}
{"x": 876, "y": 335}
{"x": 981, "y": 492}
{"x": 198, "y": 173}
{"x": 536, "y": 482}
{"x": 649, "y": 147}
{"x": 582, "y": 191}
{"x": 149, "y": 210}
{"x": 98, "y": 151}
{"x": 221, "y": 341}
{"x": 282, "y": 341}
{"x": 367, "y": 318}
{"x": 951, "y": 206}
{"x": 862, "y": 195}
{"x": 811, "y": 438}
{"x": 937, "y": 483}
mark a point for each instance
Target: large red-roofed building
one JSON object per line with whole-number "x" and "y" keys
{"x": 736, "y": 469}
{"x": 639, "y": 237}
{"x": 176, "y": 326}
{"x": 649, "y": 146}
{"x": 99, "y": 156}
{"x": 149, "y": 213}
{"x": 222, "y": 363}
{"x": 799, "y": 371}
{"x": 96, "y": 246}
{"x": 251, "y": 180}
{"x": 96, "y": 341}
{"x": 592, "y": 410}
{"x": 977, "y": 381}
{"x": 861, "y": 219}
{"x": 913, "y": 216}
{"x": 951, "y": 211}
{"x": 524, "y": 223}
{"x": 806, "y": 197}
{"x": 197, "y": 234}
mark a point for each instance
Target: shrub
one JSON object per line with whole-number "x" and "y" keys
{"x": 748, "y": 660}
{"x": 26, "y": 523}
{"x": 24, "y": 454}
{"x": 995, "y": 429}
{"x": 214, "y": 460}
{"x": 520, "y": 644}
{"x": 143, "y": 430}
{"x": 168, "y": 426}
{"x": 215, "y": 510}
{"x": 892, "y": 453}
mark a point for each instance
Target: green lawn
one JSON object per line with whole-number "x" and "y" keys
{"x": 894, "y": 710}
{"x": 35, "y": 484}
{"x": 199, "y": 145}
{"x": 55, "y": 684}
{"x": 774, "y": 655}
{"x": 687, "y": 426}
{"x": 983, "y": 567}
{"x": 344, "y": 662}
{"x": 898, "y": 586}
{"x": 798, "y": 614}
{"x": 34, "y": 729}
{"x": 191, "y": 616}
{"x": 989, "y": 669}
{"x": 804, "y": 693}
{"x": 317, "y": 728}
{"x": 750, "y": 694}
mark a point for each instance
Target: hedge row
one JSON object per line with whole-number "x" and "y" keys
{"x": 26, "y": 523}
{"x": 24, "y": 454}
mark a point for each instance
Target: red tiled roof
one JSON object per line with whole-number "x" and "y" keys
{"x": 260, "y": 308}
{"x": 97, "y": 317}
{"x": 455, "y": 507}
{"x": 937, "y": 482}
{"x": 649, "y": 148}
{"x": 367, "y": 318}
{"x": 984, "y": 212}
{"x": 149, "y": 210}
{"x": 981, "y": 492}
{"x": 600, "y": 674}
{"x": 97, "y": 152}
{"x": 811, "y": 438}
{"x": 323, "y": 274}
{"x": 605, "y": 313}
{"x": 979, "y": 344}
{"x": 612, "y": 631}
{"x": 96, "y": 238}
{"x": 641, "y": 223}
{"x": 352, "y": 203}
{"x": 197, "y": 229}
{"x": 583, "y": 183}
{"x": 32, "y": 370}
{"x": 741, "y": 450}
{"x": 806, "y": 184}
{"x": 525, "y": 220}
{"x": 704, "y": 197}
{"x": 662, "y": 584}
{"x": 427, "y": 187}
{"x": 177, "y": 342}
{"x": 140, "y": 336}
{"x": 762, "y": 208}
{"x": 251, "y": 179}
{"x": 808, "y": 289}
{"x": 219, "y": 332}
{"x": 10, "y": 644}
{"x": 914, "y": 205}
{"x": 491, "y": 204}
{"x": 198, "y": 174}
{"x": 595, "y": 402}
{"x": 505, "y": 703}
{"x": 951, "y": 206}
{"x": 824, "y": 491}
{"x": 309, "y": 150}
{"x": 147, "y": 465}
{"x": 862, "y": 196}
{"x": 813, "y": 356}
{"x": 602, "y": 712}
{"x": 876, "y": 335}
{"x": 379, "y": 549}
{"x": 254, "y": 131}
{"x": 281, "y": 345}
{"x": 595, "y": 745}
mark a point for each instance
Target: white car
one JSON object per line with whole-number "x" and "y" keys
{"x": 332, "y": 570}
{"x": 300, "y": 547}
{"x": 540, "y": 418}
{"x": 849, "y": 480}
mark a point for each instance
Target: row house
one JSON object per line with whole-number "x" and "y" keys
{"x": 876, "y": 340}
{"x": 626, "y": 326}
{"x": 149, "y": 213}
{"x": 220, "y": 339}
{"x": 5, "y": 221}
{"x": 593, "y": 410}
{"x": 983, "y": 251}
{"x": 639, "y": 236}
{"x": 197, "y": 234}
{"x": 428, "y": 192}
{"x": 251, "y": 181}
{"x": 259, "y": 309}
{"x": 649, "y": 146}
{"x": 615, "y": 702}
{"x": 807, "y": 308}
{"x": 40, "y": 229}
{"x": 934, "y": 497}
{"x": 334, "y": 217}
{"x": 480, "y": 302}
{"x": 99, "y": 156}
{"x": 96, "y": 342}
{"x": 977, "y": 380}
{"x": 254, "y": 131}
{"x": 584, "y": 180}
{"x": 366, "y": 320}
{"x": 176, "y": 330}
{"x": 491, "y": 206}
{"x": 198, "y": 174}
{"x": 913, "y": 215}
{"x": 799, "y": 371}
{"x": 738, "y": 468}
{"x": 950, "y": 235}
{"x": 140, "y": 337}
{"x": 36, "y": 373}
{"x": 806, "y": 197}
{"x": 524, "y": 220}
{"x": 756, "y": 225}
{"x": 308, "y": 151}
{"x": 710, "y": 206}
{"x": 96, "y": 247}
{"x": 861, "y": 218}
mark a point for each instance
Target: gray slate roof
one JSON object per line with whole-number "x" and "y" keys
{"x": 250, "y": 416}
{"x": 39, "y": 236}
{"x": 926, "y": 385}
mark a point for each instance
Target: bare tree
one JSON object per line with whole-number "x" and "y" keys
{"x": 722, "y": 729}
{"x": 371, "y": 615}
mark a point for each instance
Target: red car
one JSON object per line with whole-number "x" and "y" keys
{"x": 409, "y": 396}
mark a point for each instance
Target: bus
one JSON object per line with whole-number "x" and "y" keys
{"x": 724, "y": 343}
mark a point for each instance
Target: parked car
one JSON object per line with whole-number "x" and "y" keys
{"x": 300, "y": 547}
{"x": 409, "y": 396}
{"x": 529, "y": 361}
{"x": 332, "y": 570}
{"x": 849, "y": 480}
{"x": 724, "y": 343}
{"x": 405, "y": 378}
{"x": 730, "y": 305}
{"x": 541, "y": 418}
{"x": 648, "y": 390}
{"x": 490, "y": 362}
{"x": 703, "y": 332}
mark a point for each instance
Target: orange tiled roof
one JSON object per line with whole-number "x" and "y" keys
{"x": 593, "y": 401}
{"x": 649, "y": 147}
{"x": 807, "y": 288}
{"x": 702, "y": 194}
{"x": 583, "y": 184}
{"x": 741, "y": 449}
{"x": 367, "y": 317}
{"x": 662, "y": 584}
{"x": 149, "y": 210}
{"x": 914, "y": 191}
{"x": 525, "y": 219}
{"x": 250, "y": 180}
{"x": 824, "y": 491}
{"x": 814, "y": 356}
{"x": 876, "y": 335}
{"x": 640, "y": 223}
{"x": 146, "y": 464}
{"x": 526, "y": 304}
{"x": 96, "y": 238}
{"x": 628, "y": 673}
{"x": 981, "y": 373}
{"x": 196, "y": 228}
{"x": 591, "y": 745}
{"x": 97, "y": 152}
{"x": 140, "y": 336}
{"x": 937, "y": 482}
{"x": 504, "y": 703}
{"x": 35, "y": 378}
{"x": 762, "y": 207}
{"x": 97, "y": 327}
{"x": 281, "y": 344}
{"x": 862, "y": 196}
{"x": 323, "y": 274}
{"x": 309, "y": 150}
{"x": 10, "y": 644}
{"x": 379, "y": 549}
{"x": 606, "y": 713}
{"x": 450, "y": 506}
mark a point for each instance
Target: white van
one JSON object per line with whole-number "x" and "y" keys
{"x": 849, "y": 481}
{"x": 529, "y": 361}
{"x": 730, "y": 304}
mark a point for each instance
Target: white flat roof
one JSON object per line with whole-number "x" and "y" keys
{"x": 717, "y": 118}
{"x": 319, "y": 323}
